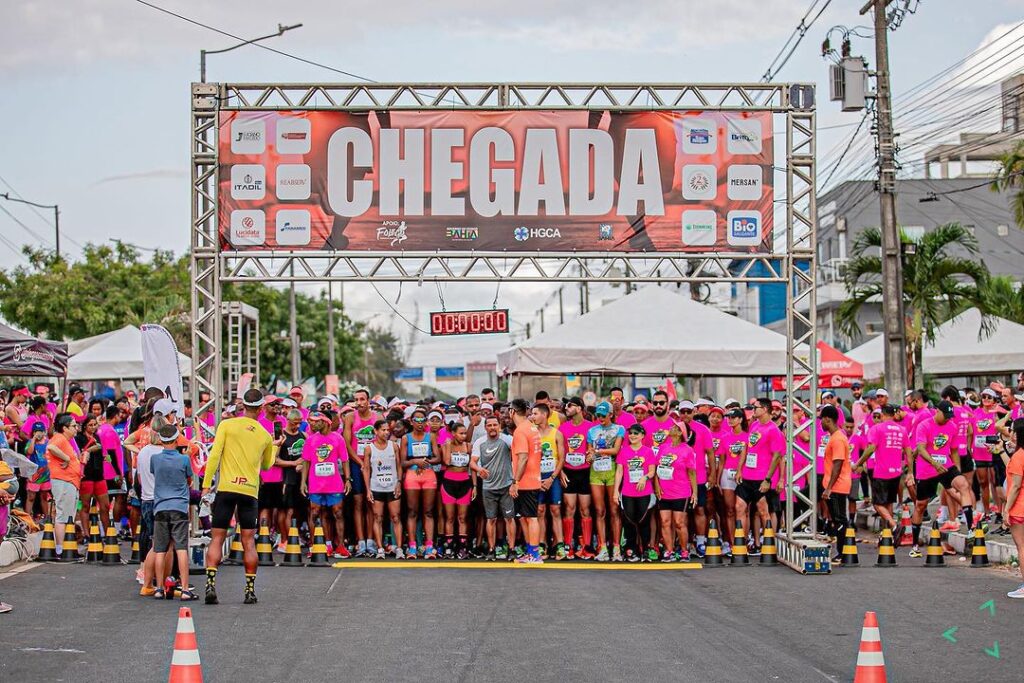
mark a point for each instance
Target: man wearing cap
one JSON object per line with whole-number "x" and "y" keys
{"x": 828, "y": 397}
{"x": 172, "y": 476}
{"x": 240, "y": 450}
{"x": 699, "y": 438}
{"x": 937, "y": 462}
{"x": 76, "y": 402}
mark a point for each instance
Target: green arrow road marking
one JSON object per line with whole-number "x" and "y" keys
{"x": 990, "y": 606}
{"x": 948, "y": 634}
{"x": 994, "y": 651}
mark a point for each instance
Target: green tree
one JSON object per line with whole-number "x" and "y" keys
{"x": 1010, "y": 178}
{"x": 382, "y": 357}
{"x": 1003, "y": 298}
{"x": 937, "y": 284}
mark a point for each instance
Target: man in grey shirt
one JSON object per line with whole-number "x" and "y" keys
{"x": 492, "y": 461}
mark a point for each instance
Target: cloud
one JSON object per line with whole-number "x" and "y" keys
{"x": 155, "y": 174}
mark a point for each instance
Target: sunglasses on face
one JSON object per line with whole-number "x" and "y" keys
{"x": 636, "y": 433}
{"x": 686, "y": 411}
{"x": 419, "y": 420}
{"x": 659, "y": 403}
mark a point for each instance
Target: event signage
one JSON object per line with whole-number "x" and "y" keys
{"x": 448, "y": 323}
{"x": 511, "y": 180}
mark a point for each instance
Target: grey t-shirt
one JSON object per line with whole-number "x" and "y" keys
{"x": 496, "y": 457}
{"x": 171, "y": 471}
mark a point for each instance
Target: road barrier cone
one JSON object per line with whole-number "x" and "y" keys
{"x": 318, "y": 551}
{"x": 870, "y": 662}
{"x": 740, "y": 558}
{"x": 886, "y": 550}
{"x": 850, "y": 558}
{"x": 713, "y": 549}
{"x": 769, "y": 551}
{"x": 111, "y": 547}
{"x": 934, "y": 551}
{"x": 70, "y": 553}
{"x": 979, "y": 555}
{"x": 236, "y": 553}
{"x": 907, "y": 537}
{"x": 264, "y": 548}
{"x": 185, "y": 666}
{"x": 94, "y": 551}
{"x": 48, "y": 546}
{"x": 292, "y": 549}
{"x": 136, "y": 555}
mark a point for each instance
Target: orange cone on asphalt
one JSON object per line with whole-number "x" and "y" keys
{"x": 870, "y": 662}
{"x": 850, "y": 558}
{"x": 907, "y": 537}
{"x": 185, "y": 666}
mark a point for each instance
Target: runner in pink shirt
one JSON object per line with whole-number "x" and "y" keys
{"x": 963, "y": 418}
{"x": 765, "y": 448}
{"x": 889, "y": 446}
{"x": 634, "y": 473}
{"x": 576, "y": 480}
{"x": 732, "y": 452}
{"x": 675, "y": 486}
{"x": 326, "y": 479}
{"x": 703, "y": 447}
{"x": 986, "y": 437}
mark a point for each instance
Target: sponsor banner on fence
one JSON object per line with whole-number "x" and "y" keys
{"x": 660, "y": 181}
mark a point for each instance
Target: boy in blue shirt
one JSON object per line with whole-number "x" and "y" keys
{"x": 172, "y": 474}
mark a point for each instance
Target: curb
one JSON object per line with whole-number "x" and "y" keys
{"x": 999, "y": 551}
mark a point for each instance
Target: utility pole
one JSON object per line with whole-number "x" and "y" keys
{"x": 293, "y": 332}
{"x": 56, "y": 216}
{"x": 561, "y": 310}
{"x": 892, "y": 265}
{"x": 330, "y": 329}
{"x": 281, "y": 28}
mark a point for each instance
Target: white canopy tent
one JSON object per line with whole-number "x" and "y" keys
{"x": 112, "y": 355}
{"x": 651, "y": 332}
{"x": 957, "y": 350}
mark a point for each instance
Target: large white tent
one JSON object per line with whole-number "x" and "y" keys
{"x": 651, "y": 332}
{"x": 112, "y": 356}
{"x": 957, "y": 350}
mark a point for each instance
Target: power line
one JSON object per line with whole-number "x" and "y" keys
{"x": 798, "y": 34}
{"x": 27, "y": 229}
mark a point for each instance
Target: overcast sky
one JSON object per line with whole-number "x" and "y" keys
{"x": 95, "y": 104}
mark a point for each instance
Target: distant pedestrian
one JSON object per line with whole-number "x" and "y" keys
{"x": 65, "y": 473}
{"x": 172, "y": 477}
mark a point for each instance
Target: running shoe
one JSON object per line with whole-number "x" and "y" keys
{"x": 5, "y": 608}
{"x": 501, "y": 553}
{"x": 448, "y": 553}
{"x": 701, "y": 549}
{"x": 429, "y": 553}
{"x": 603, "y": 555}
{"x": 726, "y": 549}
{"x": 520, "y": 551}
{"x": 631, "y": 557}
{"x": 652, "y": 555}
{"x": 140, "y": 576}
{"x": 250, "y": 598}
{"x": 529, "y": 559}
{"x": 342, "y": 553}
{"x": 838, "y": 559}
{"x": 188, "y": 596}
{"x": 280, "y": 547}
{"x": 380, "y": 554}
{"x": 668, "y": 556}
{"x": 584, "y": 554}
{"x": 570, "y": 553}
{"x": 490, "y": 557}
{"x": 330, "y": 548}
{"x": 683, "y": 555}
{"x": 560, "y": 552}
{"x": 361, "y": 549}
{"x": 542, "y": 550}
{"x": 411, "y": 554}
{"x": 147, "y": 591}
{"x": 463, "y": 554}
{"x": 477, "y": 552}
{"x": 950, "y": 526}
{"x": 211, "y": 596}
{"x": 915, "y": 552}
{"x": 371, "y": 547}
{"x": 399, "y": 555}
{"x": 159, "y": 594}
{"x": 1016, "y": 593}
{"x": 617, "y": 554}
{"x": 754, "y": 550}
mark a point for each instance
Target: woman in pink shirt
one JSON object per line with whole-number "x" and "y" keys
{"x": 675, "y": 486}
{"x": 634, "y": 473}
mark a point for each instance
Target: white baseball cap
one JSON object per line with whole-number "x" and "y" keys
{"x": 686, "y": 405}
{"x": 703, "y": 402}
{"x": 164, "y": 406}
{"x": 881, "y": 392}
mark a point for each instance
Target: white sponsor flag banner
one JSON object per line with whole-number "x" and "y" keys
{"x": 160, "y": 367}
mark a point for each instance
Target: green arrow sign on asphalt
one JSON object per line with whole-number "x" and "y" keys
{"x": 948, "y": 634}
{"x": 994, "y": 651}
{"x": 990, "y": 606}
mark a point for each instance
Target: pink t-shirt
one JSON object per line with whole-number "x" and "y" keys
{"x": 674, "y": 464}
{"x": 701, "y": 443}
{"x": 858, "y": 442}
{"x": 964, "y": 419}
{"x": 984, "y": 425}
{"x": 731, "y": 448}
{"x": 625, "y": 420}
{"x": 889, "y": 439}
{"x": 764, "y": 441}
{"x": 275, "y": 475}
{"x": 325, "y": 453}
{"x": 111, "y": 446}
{"x": 635, "y": 465}
{"x": 657, "y": 431}
{"x": 575, "y": 444}
{"x": 938, "y": 441}
{"x": 30, "y": 420}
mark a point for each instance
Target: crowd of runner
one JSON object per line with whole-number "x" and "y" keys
{"x": 549, "y": 480}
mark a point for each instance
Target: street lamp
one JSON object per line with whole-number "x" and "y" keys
{"x": 281, "y": 28}
{"x": 56, "y": 215}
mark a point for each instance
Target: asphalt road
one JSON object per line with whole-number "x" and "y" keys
{"x": 367, "y": 623}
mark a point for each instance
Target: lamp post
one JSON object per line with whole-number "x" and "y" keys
{"x": 56, "y": 215}
{"x": 281, "y": 28}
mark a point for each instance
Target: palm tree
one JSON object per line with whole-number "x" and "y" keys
{"x": 937, "y": 284}
{"x": 1004, "y": 298}
{"x": 1010, "y": 178}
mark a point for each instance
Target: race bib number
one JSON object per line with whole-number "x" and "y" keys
{"x": 752, "y": 460}
{"x": 547, "y": 463}
{"x": 939, "y": 459}
{"x": 603, "y": 464}
{"x": 576, "y": 459}
{"x": 460, "y": 459}
{"x": 979, "y": 442}
{"x": 421, "y": 450}
{"x": 386, "y": 478}
{"x": 665, "y": 472}
{"x": 325, "y": 469}
{"x": 635, "y": 474}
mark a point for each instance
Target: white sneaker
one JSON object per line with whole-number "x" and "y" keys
{"x": 140, "y": 576}
{"x": 399, "y": 554}
{"x": 603, "y": 555}
{"x": 617, "y": 554}
{"x": 1018, "y": 593}
{"x": 380, "y": 553}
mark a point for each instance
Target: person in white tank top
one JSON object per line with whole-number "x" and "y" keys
{"x": 384, "y": 486}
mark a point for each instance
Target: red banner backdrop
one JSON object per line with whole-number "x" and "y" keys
{"x": 657, "y": 181}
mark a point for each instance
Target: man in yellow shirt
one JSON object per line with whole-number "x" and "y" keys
{"x": 241, "y": 448}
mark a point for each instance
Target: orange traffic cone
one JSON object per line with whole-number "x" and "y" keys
{"x": 870, "y": 663}
{"x": 185, "y": 666}
{"x": 907, "y": 537}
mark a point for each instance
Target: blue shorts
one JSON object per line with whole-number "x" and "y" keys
{"x": 553, "y": 496}
{"x": 358, "y": 485}
{"x": 326, "y": 499}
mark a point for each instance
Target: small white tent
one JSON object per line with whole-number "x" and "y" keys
{"x": 112, "y": 355}
{"x": 957, "y": 350}
{"x": 651, "y": 332}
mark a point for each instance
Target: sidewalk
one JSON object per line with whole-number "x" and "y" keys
{"x": 1001, "y": 549}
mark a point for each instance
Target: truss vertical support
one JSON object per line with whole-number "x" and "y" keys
{"x": 204, "y": 264}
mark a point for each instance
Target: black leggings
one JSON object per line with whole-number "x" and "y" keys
{"x": 837, "y": 511}
{"x": 635, "y": 510}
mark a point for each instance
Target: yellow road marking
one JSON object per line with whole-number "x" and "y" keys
{"x": 432, "y": 564}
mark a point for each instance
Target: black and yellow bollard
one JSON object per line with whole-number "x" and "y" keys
{"x": 886, "y": 550}
{"x": 713, "y": 549}
{"x": 136, "y": 554}
{"x": 236, "y": 554}
{"x": 292, "y": 549}
{"x": 48, "y": 546}
{"x": 769, "y": 551}
{"x": 94, "y": 550}
{"x": 850, "y": 557}
{"x": 318, "y": 551}
{"x": 70, "y": 553}
{"x": 934, "y": 552}
{"x": 111, "y": 548}
{"x": 264, "y": 548}
{"x": 979, "y": 555}
{"x": 740, "y": 558}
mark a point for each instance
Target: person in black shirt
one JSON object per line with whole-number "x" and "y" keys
{"x": 94, "y": 484}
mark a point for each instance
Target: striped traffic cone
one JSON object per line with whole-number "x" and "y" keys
{"x": 292, "y": 549}
{"x": 850, "y": 558}
{"x": 236, "y": 553}
{"x": 870, "y": 662}
{"x": 934, "y": 552}
{"x": 740, "y": 558}
{"x": 713, "y": 549}
{"x": 70, "y": 553}
{"x": 48, "y": 546}
{"x": 907, "y": 537}
{"x": 94, "y": 550}
{"x": 318, "y": 551}
{"x": 769, "y": 551}
{"x": 886, "y": 551}
{"x": 264, "y": 548}
{"x": 111, "y": 548}
{"x": 136, "y": 555}
{"x": 979, "y": 555}
{"x": 185, "y": 667}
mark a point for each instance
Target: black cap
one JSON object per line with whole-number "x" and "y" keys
{"x": 74, "y": 389}
{"x": 576, "y": 401}
{"x": 946, "y": 408}
{"x": 889, "y": 409}
{"x": 735, "y": 412}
